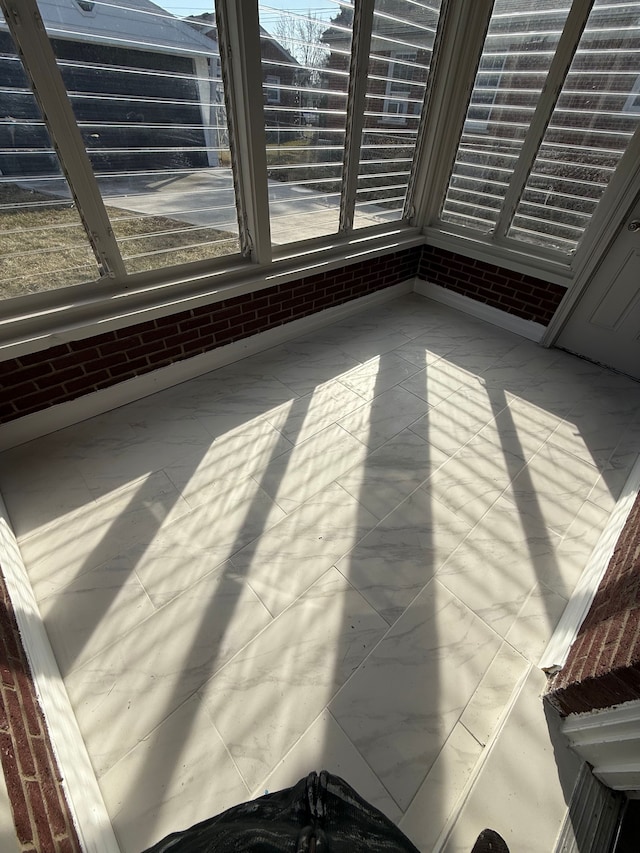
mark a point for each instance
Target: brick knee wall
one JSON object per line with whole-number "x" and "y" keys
{"x": 603, "y": 667}
{"x": 516, "y": 293}
{"x": 36, "y": 381}
{"x": 62, "y": 373}
{"x": 40, "y": 812}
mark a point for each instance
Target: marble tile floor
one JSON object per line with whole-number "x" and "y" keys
{"x": 347, "y": 552}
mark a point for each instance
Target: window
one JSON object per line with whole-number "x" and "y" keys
{"x": 532, "y": 167}
{"x": 305, "y": 126}
{"x": 512, "y": 72}
{"x": 44, "y": 244}
{"x": 588, "y": 132}
{"x": 396, "y": 102}
{"x": 402, "y": 38}
{"x": 485, "y": 93}
{"x": 272, "y": 89}
{"x": 160, "y": 158}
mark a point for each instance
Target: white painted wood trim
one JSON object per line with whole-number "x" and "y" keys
{"x": 96, "y": 403}
{"x": 356, "y": 105}
{"x": 609, "y": 740}
{"x": 78, "y": 779}
{"x": 556, "y": 653}
{"x": 526, "y": 328}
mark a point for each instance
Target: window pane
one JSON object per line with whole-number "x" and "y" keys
{"x": 305, "y": 73}
{"x": 596, "y": 115}
{"x": 401, "y": 46}
{"x": 520, "y": 44}
{"x": 146, "y": 91}
{"x": 44, "y": 244}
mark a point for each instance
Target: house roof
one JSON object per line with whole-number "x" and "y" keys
{"x": 206, "y": 23}
{"x": 123, "y": 23}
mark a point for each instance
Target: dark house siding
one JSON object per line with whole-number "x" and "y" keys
{"x": 118, "y": 131}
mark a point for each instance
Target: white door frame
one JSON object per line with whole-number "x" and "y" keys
{"x": 586, "y": 274}
{"x": 609, "y": 740}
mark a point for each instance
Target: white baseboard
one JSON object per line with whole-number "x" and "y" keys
{"x": 78, "y": 779}
{"x": 526, "y": 328}
{"x": 98, "y": 402}
{"x": 564, "y": 636}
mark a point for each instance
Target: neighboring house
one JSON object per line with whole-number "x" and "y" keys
{"x": 398, "y": 64}
{"x": 282, "y": 101}
{"x": 142, "y": 84}
{"x": 280, "y": 78}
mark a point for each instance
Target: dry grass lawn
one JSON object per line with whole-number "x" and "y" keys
{"x": 44, "y": 245}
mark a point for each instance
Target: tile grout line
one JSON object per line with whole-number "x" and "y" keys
{"x": 482, "y": 760}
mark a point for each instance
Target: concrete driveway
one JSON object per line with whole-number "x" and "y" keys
{"x": 206, "y": 197}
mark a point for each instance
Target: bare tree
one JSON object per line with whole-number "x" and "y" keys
{"x": 301, "y": 35}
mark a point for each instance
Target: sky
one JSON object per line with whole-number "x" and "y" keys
{"x": 195, "y": 7}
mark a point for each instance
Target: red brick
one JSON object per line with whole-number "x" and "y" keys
{"x": 21, "y": 744}
{"x": 280, "y": 316}
{"x": 17, "y": 392}
{"x": 9, "y": 367}
{"x": 253, "y": 326}
{"x": 23, "y": 375}
{"x": 43, "y": 831}
{"x": 125, "y": 370}
{"x": 168, "y": 355}
{"x": 225, "y": 314}
{"x": 49, "y": 788}
{"x": 72, "y": 359}
{"x": 4, "y": 720}
{"x": 9, "y": 629}
{"x": 16, "y": 793}
{"x": 189, "y": 323}
{"x": 88, "y": 382}
{"x": 68, "y": 845}
{"x": 31, "y": 709}
{"x": 145, "y": 349}
{"x": 58, "y": 378}
{"x": 44, "y": 356}
{"x": 7, "y": 411}
{"x": 119, "y": 347}
{"x": 41, "y": 399}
